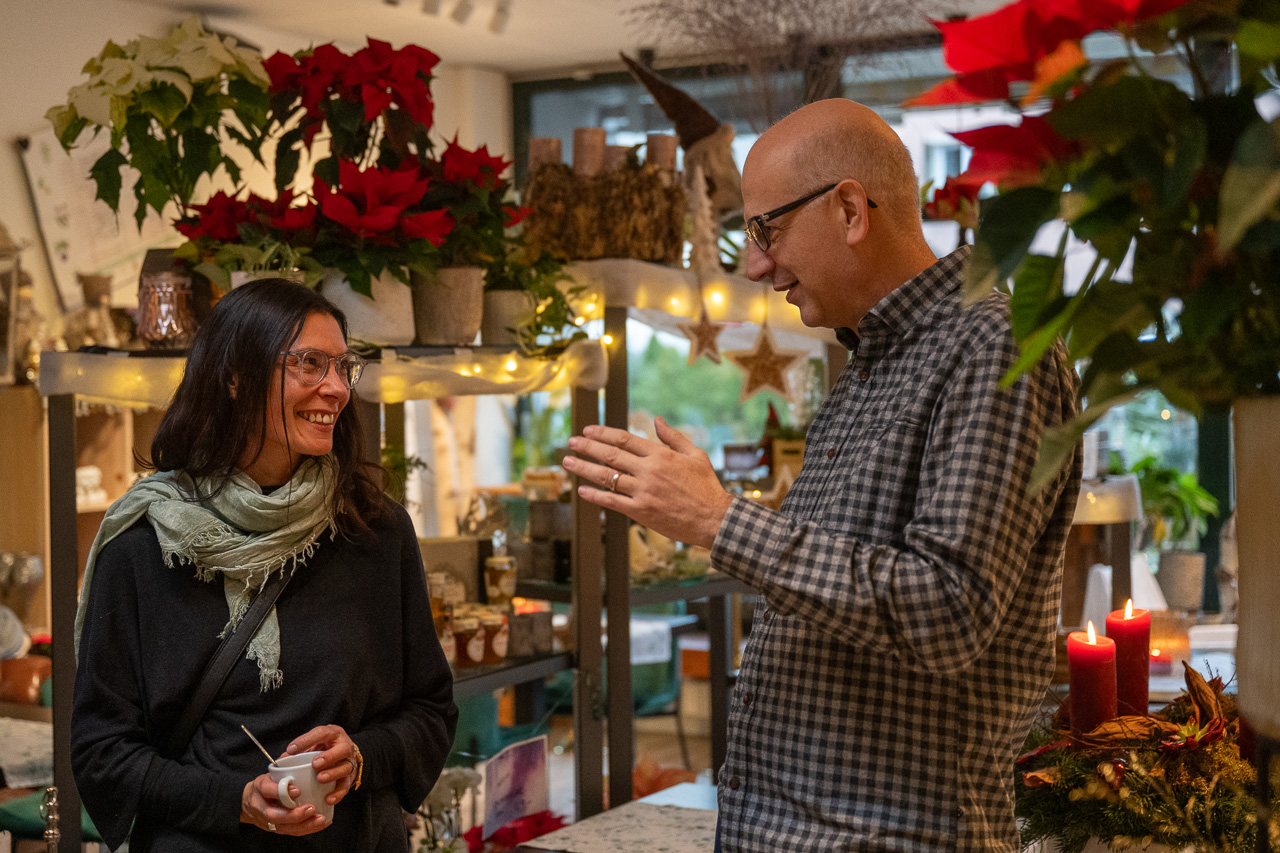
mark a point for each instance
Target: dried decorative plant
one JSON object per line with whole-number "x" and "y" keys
{"x": 794, "y": 52}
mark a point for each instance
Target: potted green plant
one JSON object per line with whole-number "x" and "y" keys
{"x": 1176, "y": 191}
{"x": 1175, "y": 512}
{"x": 516, "y": 281}
{"x": 526, "y": 305}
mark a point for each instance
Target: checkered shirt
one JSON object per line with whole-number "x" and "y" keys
{"x": 912, "y": 588}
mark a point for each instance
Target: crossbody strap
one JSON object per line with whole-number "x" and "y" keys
{"x": 220, "y": 665}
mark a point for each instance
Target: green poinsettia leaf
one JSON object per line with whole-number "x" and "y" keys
{"x": 1251, "y": 185}
{"x": 1109, "y": 227}
{"x": 1037, "y": 288}
{"x": 1259, "y": 40}
{"x": 288, "y": 155}
{"x": 106, "y": 174}
{"x": 164, "y": 102}
{"x": 1111, "y": 306}
{"x": 1007, "y": 226}
{"x": 1108, "y": 115}
{"x": 1190, "y": 144}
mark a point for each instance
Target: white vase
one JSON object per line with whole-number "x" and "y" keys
{"x": 384, "y": 320}
{"x": 503, "y": 310}
{"x": 447, "y": 307}
{"x": 1256, "y": 426}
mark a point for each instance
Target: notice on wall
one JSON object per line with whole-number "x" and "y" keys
{"x": 81, "y": 233}
{"x": 515, "y": 784}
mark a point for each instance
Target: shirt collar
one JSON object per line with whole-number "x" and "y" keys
{"x": 911, "y": 302}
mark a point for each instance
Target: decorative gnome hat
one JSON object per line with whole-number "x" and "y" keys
{"x": 704, "y": 139}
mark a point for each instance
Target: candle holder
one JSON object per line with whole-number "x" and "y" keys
{"x": 165, "y": 318}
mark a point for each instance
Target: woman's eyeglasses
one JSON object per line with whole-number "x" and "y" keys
{"x": 312, "y": 365}
{"x": 759, "y": 234}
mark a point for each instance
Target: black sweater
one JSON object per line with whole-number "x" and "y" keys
{"x": 357, "y": 649}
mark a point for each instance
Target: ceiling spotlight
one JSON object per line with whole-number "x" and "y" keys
{"x": 462, "y": 11}
{"x": 501, "y": 14}
{"x": 431, "y": 7}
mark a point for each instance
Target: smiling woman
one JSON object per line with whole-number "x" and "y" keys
{"x": 259, "y": 472}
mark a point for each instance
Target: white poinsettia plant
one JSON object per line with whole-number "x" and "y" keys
{"x": 175, "y": 108}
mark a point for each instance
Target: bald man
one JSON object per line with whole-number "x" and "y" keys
{"x": 912, "y": 579}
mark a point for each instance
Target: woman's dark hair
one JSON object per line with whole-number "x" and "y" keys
{"x": 207, "y": 431}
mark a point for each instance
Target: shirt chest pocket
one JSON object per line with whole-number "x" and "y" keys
{"x": 875, "y": 471}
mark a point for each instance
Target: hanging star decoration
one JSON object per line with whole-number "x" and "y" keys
{"x": 765, "y": 366}
{"x": 703, "y": 336}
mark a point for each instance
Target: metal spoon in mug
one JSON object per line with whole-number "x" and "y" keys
{"x": 270, "y": 760}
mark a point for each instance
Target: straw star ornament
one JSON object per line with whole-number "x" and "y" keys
{"x": 703, "y": 336}
{"x": 765, "y": 366}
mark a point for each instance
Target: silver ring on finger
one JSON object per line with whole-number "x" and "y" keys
{"x": 613, "y": 481}
{"x": 271, "y": 827}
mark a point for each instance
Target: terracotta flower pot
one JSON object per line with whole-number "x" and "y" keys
{"x": 447, "y": 307}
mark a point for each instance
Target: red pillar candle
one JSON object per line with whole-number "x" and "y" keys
{"x": 1092, "y": 662}
{"x": 1131, "y": 630}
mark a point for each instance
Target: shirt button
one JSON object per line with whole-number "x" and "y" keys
{"x": 734, "y": 784}
{"x": 746, "y": 699}
{"x": 864, "y": 376}
{"x": 831, "y": 453}
{"x": 766, "y": 616}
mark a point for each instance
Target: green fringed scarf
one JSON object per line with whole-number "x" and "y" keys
{"x": 239, "y": 534}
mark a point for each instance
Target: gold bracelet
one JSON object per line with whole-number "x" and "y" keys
{"x": 359, "y": 765}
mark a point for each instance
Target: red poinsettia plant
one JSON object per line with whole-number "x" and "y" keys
{"x": 1174, "y": 185}
{"x": 470, "y": 186}
{"x": 373, "y": 196}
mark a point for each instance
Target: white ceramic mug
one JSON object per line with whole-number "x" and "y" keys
{"x": 297, "y": 770}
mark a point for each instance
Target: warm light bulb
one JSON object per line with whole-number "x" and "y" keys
{"x": 755, "y": 493}
{"x": 1093, "y": 637}
{"x": 607, "y": 339}
{"x": 1165, "y": 414}
{"x": 716, "y": 298}
{"x": 589, "y": 308}
{"x": 1128, "y": 609}
{"x": 578, "y": 321}
{"x": 540, "y": 309}
{"x": 511, "y": 364}
{"x": 476, "y": 369}
{"x": 675, "y": 303}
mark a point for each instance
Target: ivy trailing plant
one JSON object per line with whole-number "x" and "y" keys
{"x": 553, "y": 324}
{"x": 1177, "y": 192}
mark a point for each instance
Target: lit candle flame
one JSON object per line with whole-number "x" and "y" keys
{"x": 1093, "y": 637}
{"x": 1128, "y": 609}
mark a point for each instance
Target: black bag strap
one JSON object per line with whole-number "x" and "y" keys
{"x": 220, "y": 665}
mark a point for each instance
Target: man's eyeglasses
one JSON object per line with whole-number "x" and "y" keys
{"x": 756, "y": 229}
{"x": 312, "y": 365}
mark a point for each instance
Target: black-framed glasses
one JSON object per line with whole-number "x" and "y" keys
{"x": 312, "y": 365}
{"x": 756, "y": 229}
